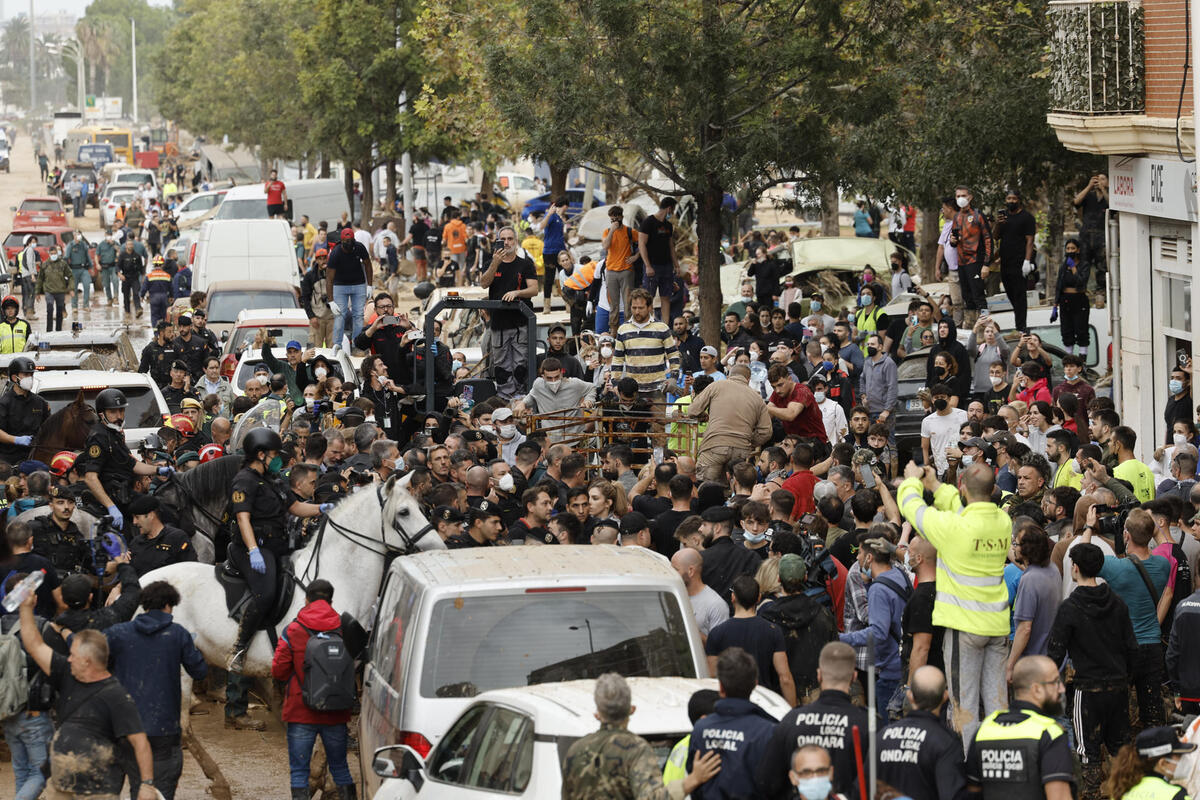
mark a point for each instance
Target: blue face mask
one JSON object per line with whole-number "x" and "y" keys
{"x": 865, "y": 300}
{"x": 815, "y": 306}
{"x": 456, "y": 365}
{"x": 754, "y": 538}
{"x": 1175, "y": 386}
{"x": 814, "y": 788}
{"x": 828, "y": 365}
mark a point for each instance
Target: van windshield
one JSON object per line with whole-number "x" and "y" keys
{"x": 491, "y": 642}
{"x": 249, "y": 208}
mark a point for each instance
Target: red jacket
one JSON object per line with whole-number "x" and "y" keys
{"x": 288, "y": 664}
{"x": 1034, "y": 392}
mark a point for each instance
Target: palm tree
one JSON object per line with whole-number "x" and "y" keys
{"x": 16, "y": 42}
{"x": 97, "y": 36}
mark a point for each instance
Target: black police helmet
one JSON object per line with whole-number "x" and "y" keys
{"x": 21, "y": 365}
{"x": 423, "y": 289}
{"x": 110, "y": 400}
{"x": 153, "y": 442}
{"x": 260, "y": 440}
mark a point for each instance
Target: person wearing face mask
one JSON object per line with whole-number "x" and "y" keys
{"x": 22, "y": 412}
{"x": 817, "y": 322}
{"x": 1074, "y": 382}
{"x": 971, "y": 237}
{"x": 1179, "y": 405}
{"x": 260, "y": 512}
{"x": 554, "y": 393}
{"x": 1014, "y": 231}
{"x": 1181, "y": 466}
{"x": 108, "y": 467}
{"x": 939, "y": 430}
{"x": 1022, "y": 752}
{"x": 54, "y": 280}
{"x": 1071, "y": 300}
{"x": 870, "y": 317}
{"x": 833, "y": 416}
{"x": 1146, "y": 769}
{"x": 947, "y": 342}
{"x": 509, "y": 438}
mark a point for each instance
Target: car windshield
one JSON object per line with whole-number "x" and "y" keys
{"x": 491, "y": 642}
{"x": 912, "y": 369}
{"x": 244, "y": 336}
{"x": 132, "y": 177}
{"x": 249, "y": 208}
{"x": 33, "y": 206}
{"x": 18, "y": 239}
{"x": 246, "y": 369}
{"x": 225, "y": 306}
{"x": 143, "y": 411}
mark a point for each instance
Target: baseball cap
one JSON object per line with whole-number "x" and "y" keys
{"x": 709, "y": 350}
{"x": 31, "y": 466}
{"x": 633, "y": 522}
{"x": 143, "y": 504}
{"x": 473, "y": 436}
{"x": 501, "y": 414}
{"x": 718, "y": 514}
{"x": 76, "y": 589}
{"x": 293, "y": 345}
{"x": 347, "y": 234}
{"x": 262, "y": 368}
{"x": 792, "y": 568}
{"x": 1159, "y": 742}
{"x": 184, "y": 319}
{"x": 320, "y": 251}
{"x": 976, "y": 441}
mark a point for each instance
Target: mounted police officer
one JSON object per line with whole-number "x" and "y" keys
{"x": 108, "y": 466}
{"x": 259, "y": 508}
{"x": 21, "y": 412}
{"x": 59, "y": 539}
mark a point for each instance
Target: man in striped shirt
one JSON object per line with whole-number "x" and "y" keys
{"x": 645, "y": 349}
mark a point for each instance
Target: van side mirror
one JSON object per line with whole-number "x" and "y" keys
{"x": 401, "y": 762}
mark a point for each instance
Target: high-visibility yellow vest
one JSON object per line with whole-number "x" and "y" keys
{"x": 13, "y": 336}
{"x": 1139, "y": 476}
{"x": 1152, "y": 787}
{"x": 1009, "y": 754}
{"x": 1065, "y": 476}
{"x": 582, "y": 277}
{"x": 972, "y": 545}
{"x": 676, "y": 766}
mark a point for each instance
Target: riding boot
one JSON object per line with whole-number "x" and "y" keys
{"x": 237, "y": 657}
{"x": 347, "y": 792}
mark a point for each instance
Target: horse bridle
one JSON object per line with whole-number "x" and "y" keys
{"x": 385, "y": 550}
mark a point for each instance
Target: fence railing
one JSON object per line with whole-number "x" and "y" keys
{"x": 1097, "y": 57}
{"x": 589, "y": 431}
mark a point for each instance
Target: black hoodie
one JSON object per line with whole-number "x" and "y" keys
{"x": 960, "y": 384}
{"x": 1183, "y": 655}
{"x": 1093, "y": 628}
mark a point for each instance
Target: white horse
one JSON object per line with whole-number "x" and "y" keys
{"x": 364, "y": 528}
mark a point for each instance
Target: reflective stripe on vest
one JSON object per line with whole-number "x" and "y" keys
{"x": 582, "y": 277}
{"x": 1008, "y": 755}
{"x": 676, "y": 766}
{"x": 13, "y": 336}
{"x": 1151, "y": 787}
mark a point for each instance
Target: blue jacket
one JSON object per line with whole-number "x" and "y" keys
{"x": 884, "y": 609}
{"x": 145, "y": 655}
{"x": 740, "y": 731}
{"x": 181, "y": 284}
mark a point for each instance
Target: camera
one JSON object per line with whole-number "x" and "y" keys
{"x": 322, "y": 407}
{"x": 274, "y": 332}
{"x": 1110, "y": 523}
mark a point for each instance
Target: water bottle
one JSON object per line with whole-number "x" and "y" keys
{"x": 23, "y": 589}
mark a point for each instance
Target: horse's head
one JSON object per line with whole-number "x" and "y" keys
{"x": 409, "y": 529}
{"x": 65, "y": 429}
{"x": 80, "y": 414}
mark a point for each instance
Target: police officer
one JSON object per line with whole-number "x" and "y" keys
{"x": 1022, "y": 753}
{"x": 157, "y": 545}
{"x": 109, "y": 468}
{"x": 918, "y": 754}
{"x": 449, "y": 522}
{"x": 738, "y": 729}
{"x": 58, "y": 539}
{"x": 260, "y": 509}
{"x": 160, "y": 354}
{"x": 484, "y": 530}
{"x": 193, "y": 349}
{"x": 14, "y": 331}
{"x": 21, "y": 412}
{"x": 828, "y": 721}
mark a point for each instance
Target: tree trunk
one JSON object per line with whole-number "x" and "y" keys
{"x": 348, "y": 184}
{"x": 927, "y": 225}
{"x": 391, "y": 185}
{"x": 558, "y": 180}
{"x": 830, "y": 224}
{"x": 1059, "y": 206}
{"x": 325, "y": 167}
{"x": 708, "y": 258}
{"x": 367, "y": 211}
{"x": 486, "y": 182}
{"x": 612, "y": 189}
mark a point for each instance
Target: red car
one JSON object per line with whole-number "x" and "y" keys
{"x": 47, "y": 235}
{"x": 41, "y": 212}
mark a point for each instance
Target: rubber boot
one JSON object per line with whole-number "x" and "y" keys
{"x": 347, "y": 792}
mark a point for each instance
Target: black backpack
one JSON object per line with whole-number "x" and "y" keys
{"x": 328, "y": 683}
{"x": 804, "y": 635}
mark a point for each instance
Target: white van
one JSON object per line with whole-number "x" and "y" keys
{"x": 452, "y": 624}
{"x": 244, "y": 249}
{"x": 319, "y": 198}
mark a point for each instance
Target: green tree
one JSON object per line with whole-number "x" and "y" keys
{"x": 153, "y": 24}
{"x": 716, "y": 95}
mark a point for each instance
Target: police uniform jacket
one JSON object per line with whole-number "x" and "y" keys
{"x": 171, "y": 546}
{"x": 105, "y": 453}
{"x": 829, "y": 722}
{"x": 257, "y": 495}
{"x": 66, "y": 549}
{"x": 156, "y": 361}
{"x": 20, "y": 415}
{"x": 921, "y": 757}
{"x": 194, "y": 351}
{"x": 1016, "y": 752}
{"x": 739, "y": 731}
{"x": 174, "y": 397}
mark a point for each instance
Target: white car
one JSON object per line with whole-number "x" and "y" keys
{"x": 339, "y": 361}
{"x": 109, "y": 206}
{"x": 147, "y": 409}
{"x": 511, "y": 742}
{"x": 517, "y": 188}
{"x": 288, "y": 324}
{"x": 198, "y": 205}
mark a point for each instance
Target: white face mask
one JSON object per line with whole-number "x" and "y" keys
{"x": 996, "y": 380}
{"x": 606, "y": 352}
{"x": 1178, "y": 438}
{"x": 968, "y": 460}
{"x": 961, "y": 201}
{"x": 488, "y": 428}
{"x": 554, "y": 385}
{"x": 26, "y": 383}
{"x": 506, "y": 483}
{"x": 1075, "y": 468}
{"x": 320, "y": 372}
{"x": 819, "y": 397}
{"x": 508, "y": 431}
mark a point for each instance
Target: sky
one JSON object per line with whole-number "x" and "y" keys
{"x": 10, "y": 8}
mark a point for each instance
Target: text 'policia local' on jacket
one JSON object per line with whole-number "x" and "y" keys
{"x": 972, "y": 545}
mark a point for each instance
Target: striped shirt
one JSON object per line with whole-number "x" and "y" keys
{"x": 645, "y": 353}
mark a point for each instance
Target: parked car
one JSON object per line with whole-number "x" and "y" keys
{"x": 47, "y": 236}
{"x": 97, "y": 154}
{"x": 288, "y": 323}
{"x": 147, "y": 409}
{"x": 574, "y": 202}
{"x": 226, "y": 299}
{"x": 4, "y": 155}
{"x": 243, "y": 370}
{"x": 451, "y": 625}
{"x": 511, "y": 742}
{"x": 133, "y": 178}
{"x": 42, "y": 212}
{"x": 85, "y": 173}
{"x": 199, "y": 204}
{"x": 113, "y": 346}
{"x": 113, "y": 198}
{"x": 519, "y": 189}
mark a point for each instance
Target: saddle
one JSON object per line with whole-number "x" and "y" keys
{"x": 237, "y": 593}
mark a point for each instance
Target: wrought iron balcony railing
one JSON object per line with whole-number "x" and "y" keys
{"x": 1097, "y": 60}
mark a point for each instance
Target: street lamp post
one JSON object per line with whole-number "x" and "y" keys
{"x": 73, "y": 50}
{"x": 133, "y": 50}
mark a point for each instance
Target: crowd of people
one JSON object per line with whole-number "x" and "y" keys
{"x": 1007, "y": 590}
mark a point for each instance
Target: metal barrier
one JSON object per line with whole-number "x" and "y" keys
{"x": 589, "y": 431}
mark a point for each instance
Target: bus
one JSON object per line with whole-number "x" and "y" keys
{"x": 121, "y": 140}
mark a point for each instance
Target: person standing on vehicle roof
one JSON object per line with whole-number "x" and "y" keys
{"x": 108, "y": 466}
{"x": 277, "y": 197}
{"x": 14, "y": 331}
{"x": 347, "y": 276}
{"x": 22, "y": 411}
